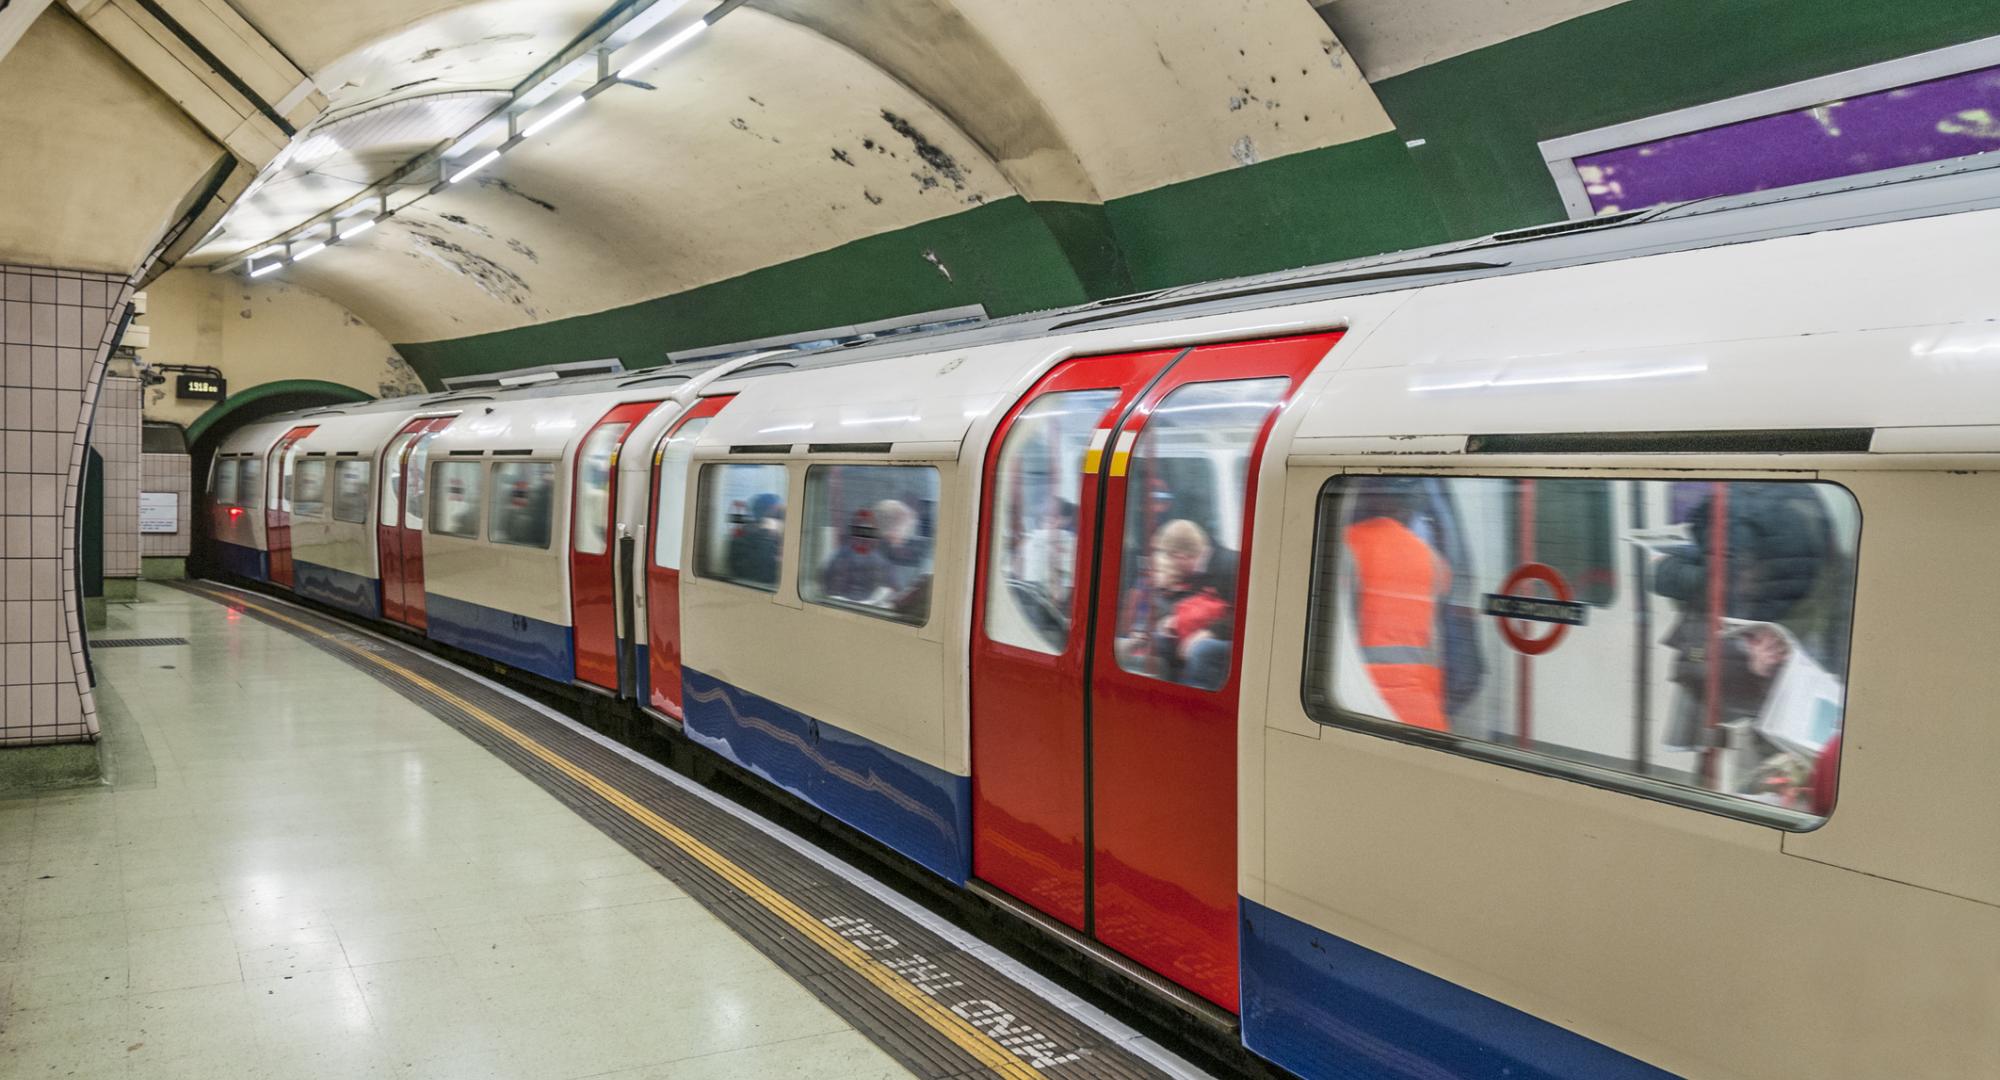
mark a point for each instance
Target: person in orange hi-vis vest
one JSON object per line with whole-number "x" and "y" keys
{"x": 1399, "y": 581}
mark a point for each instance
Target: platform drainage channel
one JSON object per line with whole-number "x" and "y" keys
{"x": 134, "y": 642}
{"x": 937, "y": 1008}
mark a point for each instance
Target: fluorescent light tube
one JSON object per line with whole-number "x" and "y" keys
{"x": 365, "y": 225}
{"x": 308, "y": 252}
{"x": 488, "y": 158}
{"x": 560, "y": 111}
{"x": 662, "y": 49}
{"x": 260, "y": 271}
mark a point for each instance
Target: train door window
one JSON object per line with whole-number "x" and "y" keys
{"x": 673, "y": 493}
{"x": 1184, "y": 511}
{"x": 455, "y": 489}
{"x": 870, "y": 539}
{"x": 391, "y": 510}
{"x": 1031, "y": 565}
{"x": 1568, "y": 526}
{"x": 593, "y": 487}
{"x": 523, "y": 492}
{"x": 250, "y": 483}
{"x": 223, "y": 489}
{"x": 418, "y": 473}
{"x": 350, "y": 490}
{"x": 309, "y": 487}
{"x": 1713, "y": 675}
{"x": 740, "y": 524}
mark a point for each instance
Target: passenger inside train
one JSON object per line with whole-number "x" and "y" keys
{"x": 1179, "y": 623}
{"x": 870, "y": 538}
{"x": 742, "y": 524}
{"x": 1702, "y": 625}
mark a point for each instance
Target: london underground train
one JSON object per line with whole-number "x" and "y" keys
{"x": 1559, "y": 656}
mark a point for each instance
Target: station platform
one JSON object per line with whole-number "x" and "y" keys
{"x": 321, "y": 853}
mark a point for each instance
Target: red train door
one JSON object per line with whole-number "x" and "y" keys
{"x": 593, "y": 592}
{"x": 399, "y": 532}
{"x": 663, "y": 563}
{"x": 1104, "y": 664}
{"x": 278, "y": 504}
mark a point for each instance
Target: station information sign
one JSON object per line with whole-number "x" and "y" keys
{"x": 200, "y": 387}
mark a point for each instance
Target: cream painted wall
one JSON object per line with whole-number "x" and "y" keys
{"x": 94, "y": 161}
{"x": 1390, "y": 37}
{"x": 1151, "y": 92}
{"x": 259, "y": 332}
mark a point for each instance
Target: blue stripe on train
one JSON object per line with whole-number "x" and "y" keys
{"x": 532, "y": 645}
{"x": 245, "y": 562}
{"x": 338, "y": 588}
{"x": 644, "y": 685}
{"x": 918, "y": 809}
{"x": 1323, "y": 1006}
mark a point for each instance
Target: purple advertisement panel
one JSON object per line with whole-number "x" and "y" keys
{"x": 1956, "y": 116}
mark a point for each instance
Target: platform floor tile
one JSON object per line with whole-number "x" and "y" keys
{"x": 296, "y": 872}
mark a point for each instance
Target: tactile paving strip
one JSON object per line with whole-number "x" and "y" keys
{"x": 936, "y": 1008}
{"x": 134, "y": 642}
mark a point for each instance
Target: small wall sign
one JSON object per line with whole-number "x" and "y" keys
{"x": 200, "y": 387}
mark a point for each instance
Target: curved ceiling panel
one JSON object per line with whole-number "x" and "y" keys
{"x": 97, "y": 163}
{"x": 763, "y": 142}
{"x": 363, "y": 52}
{"x": 1390, "y": 37}
{"x": 338, "y": 159}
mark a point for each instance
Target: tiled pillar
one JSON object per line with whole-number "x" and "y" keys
{"x": 56, "y": 328}
{"x": 114, "y": 433}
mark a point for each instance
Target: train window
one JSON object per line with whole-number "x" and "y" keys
{"x": 250, "y": 483}
{"x": 740, "y": 524}
{"x": 455, "y": 498}
{"x": 870, "y": 538}
{"x": 1184, "y": 511}
{"x": 1032, "y": 558}
{"x": 523, "y": 492}
{"x": 672, "y": 497}
{"x": 223, "y": 489}
{"x": 593, "y": 487}
{"x": 416, "y": 473}
{"x": 350, "y": 490}
{"x": 309, "y": 487}
{"x": 391, "y": 510}
{"x": 1567, "y": 526}
{"x": 1714, "y": 674}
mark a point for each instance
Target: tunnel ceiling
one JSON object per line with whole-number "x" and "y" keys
{"x": 791, "y": 128}
{"x": 1013, "y": 152}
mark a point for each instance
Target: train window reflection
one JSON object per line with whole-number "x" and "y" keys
{"x": 523, "y": 492}
{"x": 870, "y": 538}
{"x": 250, "y": 484}
{"x": 672, "y": 504}
{"x": 350, "y": 490}
{"x": 309, "y": 487}
{"x": 223, "y": 489}
{"x": 1184, "y": 510}
{"x": 416, "y": 473}
{"x": 392, "y": 480}
{"x": 455, "y": 491}
{"x": 741, "y": 526}
{"x": 593, "y": 487}
{"x": 1714, "y": 669}
{"x": 1031, "y": 563}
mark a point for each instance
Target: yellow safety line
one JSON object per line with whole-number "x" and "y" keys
{"x": 953, "y": 1026}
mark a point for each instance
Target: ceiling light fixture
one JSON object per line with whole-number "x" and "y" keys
{"x": 260, "y": 271}
{"x": 558, "y": 113}
{"x": 357, "y": 229}
{"x": 663, "y": 48}
{"x": 308, "y": 251}
{"x": 486, "y": 159}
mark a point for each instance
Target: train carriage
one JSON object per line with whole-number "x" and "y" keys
{"x": 238, "y": 496}
{"x": 1558, "y": 661}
